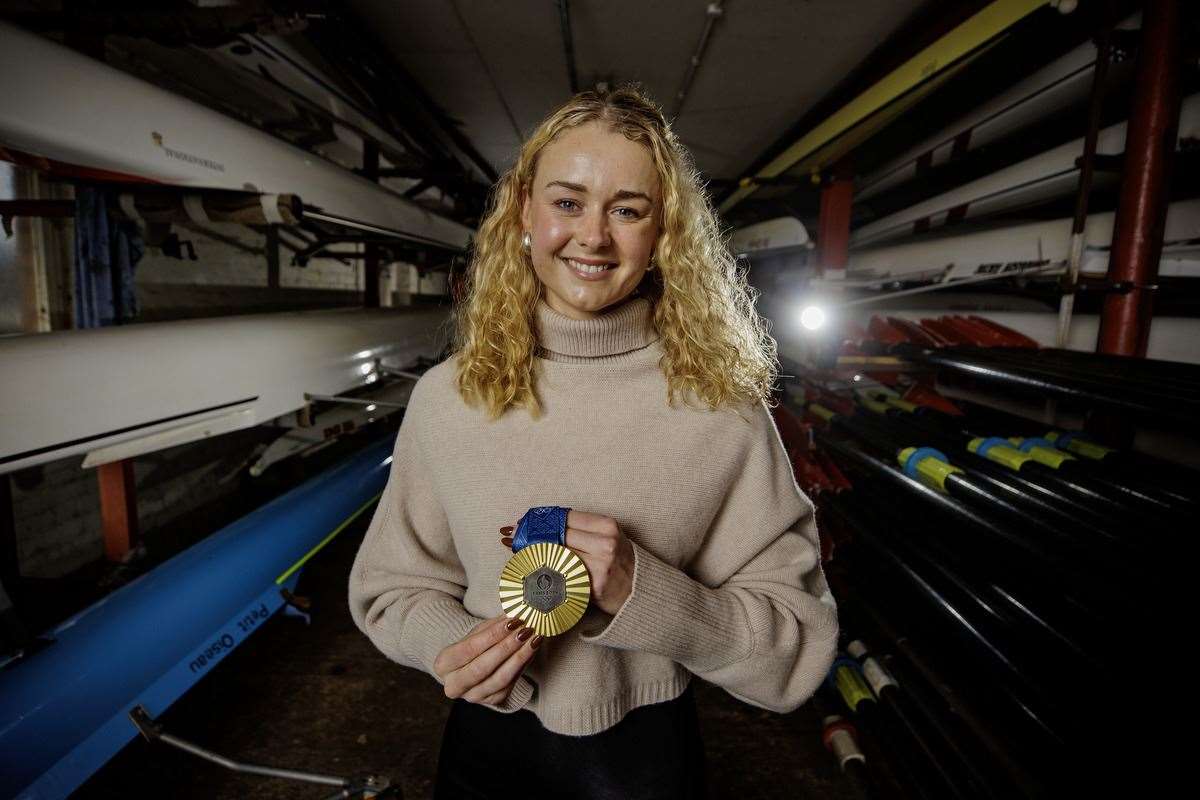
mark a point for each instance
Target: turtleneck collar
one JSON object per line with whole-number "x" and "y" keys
{"x": 625, "y": 327}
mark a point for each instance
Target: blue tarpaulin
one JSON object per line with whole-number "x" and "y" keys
{"x": 106, "y": 253}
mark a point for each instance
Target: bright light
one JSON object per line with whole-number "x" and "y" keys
{"x": 371, "y": 407}
{"x": 365, "y": 369}
{"x": 812, "y": 317}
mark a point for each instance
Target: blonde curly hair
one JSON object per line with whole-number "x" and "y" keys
{"x": 714, "y": 343}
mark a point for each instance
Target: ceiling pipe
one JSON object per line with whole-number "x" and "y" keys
{"x": 713, "y": 13}
{"x": 564, "y": 18}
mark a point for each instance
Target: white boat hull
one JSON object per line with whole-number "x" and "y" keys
{"x": 1044, "y": 177}
{"x": 61, "y": 105}
{"x": 1016, "y": 247}
{"x": 1063, "y": 83}
{"x": 130, "y": 389}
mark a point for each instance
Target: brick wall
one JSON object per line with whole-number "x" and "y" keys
{"x": 56, "y": 517}
{"x": 229, "y": 254}
{"x": 56, "y": 505}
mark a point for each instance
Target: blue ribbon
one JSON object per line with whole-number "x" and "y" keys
{"x": 541, "y": 524}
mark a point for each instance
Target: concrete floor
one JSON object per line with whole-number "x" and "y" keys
{"x": 322, "y": 698}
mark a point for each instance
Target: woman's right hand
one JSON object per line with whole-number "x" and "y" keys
{"x": 484, "y": 665}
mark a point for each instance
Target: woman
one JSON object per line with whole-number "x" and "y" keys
{"x": 600, "y": 290}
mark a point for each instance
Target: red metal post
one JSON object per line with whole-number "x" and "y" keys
{"x": 1141, "y": 213}
{"x": 833, "y": 226}
{"x": 118, "y": 508}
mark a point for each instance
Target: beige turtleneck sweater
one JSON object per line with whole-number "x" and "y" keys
{"x": 727, "y": 581}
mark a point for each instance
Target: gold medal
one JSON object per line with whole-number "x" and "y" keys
{"x": 546, "y": 586}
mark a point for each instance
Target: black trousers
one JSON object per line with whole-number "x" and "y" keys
{"x": 655, "y": 752}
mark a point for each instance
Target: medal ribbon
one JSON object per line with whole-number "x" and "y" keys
{"x": 541, "y": 524}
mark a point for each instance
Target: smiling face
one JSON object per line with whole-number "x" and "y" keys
{"x": 594, "y": 200}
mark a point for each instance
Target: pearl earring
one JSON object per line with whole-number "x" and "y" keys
{"x": 526, "y": 241}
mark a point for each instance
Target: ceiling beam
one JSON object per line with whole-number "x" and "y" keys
{"x": 933, "y": 63}
{"x": 564, "y": 18}
{"x": 712, "y": 13}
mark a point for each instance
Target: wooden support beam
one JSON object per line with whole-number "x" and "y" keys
{"x": 118, "y": 508}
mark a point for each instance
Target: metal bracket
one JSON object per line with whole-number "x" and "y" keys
{"x": 337, "y": 398}
{"x": 1124, "y": 44}
{"x": 1105, "y": 286}
{"x": 175, "y": 247}
{"x": 395, "y": 372}
{"x": 11, "y": 209}
{"x": 371, "y": 786}
{"x": 295, "y": 605}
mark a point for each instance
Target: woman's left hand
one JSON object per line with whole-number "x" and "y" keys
{"x": 606, "y": 552}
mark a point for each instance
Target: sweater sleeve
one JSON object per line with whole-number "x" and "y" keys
{"x": 762, "y": 624}
{"x": 407, "y": 583}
